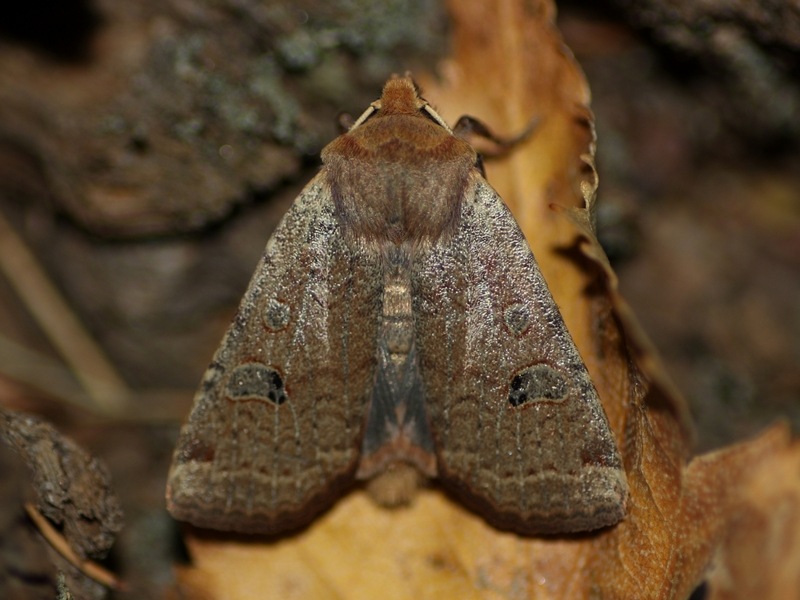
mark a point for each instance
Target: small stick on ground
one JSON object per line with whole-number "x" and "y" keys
{"x": 97, "y": 375}
{"x": 56, "y": 540}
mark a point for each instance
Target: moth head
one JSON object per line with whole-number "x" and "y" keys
{"x": 401, "y": 96}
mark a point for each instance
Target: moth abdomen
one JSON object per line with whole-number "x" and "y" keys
{"x": 397, "y": 319}
{"x": 397, "y": 431}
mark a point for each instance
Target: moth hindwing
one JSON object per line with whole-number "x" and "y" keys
{"x": 397, "y": 317}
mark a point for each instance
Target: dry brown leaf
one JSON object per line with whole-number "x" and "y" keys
{"x": 759, "y": 556}
{"x": 508, "y": 67}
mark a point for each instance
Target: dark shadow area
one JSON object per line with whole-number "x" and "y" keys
{"x": 60, "y": 29}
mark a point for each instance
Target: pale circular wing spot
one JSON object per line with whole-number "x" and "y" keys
{"x": 517, "y": 318}
{"x": 539, "y": 382}
{"x": 276, "y": 315}
{"x": 254, "y": 381}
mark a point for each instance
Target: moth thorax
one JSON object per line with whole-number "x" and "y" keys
{"x": 387, "y": 200}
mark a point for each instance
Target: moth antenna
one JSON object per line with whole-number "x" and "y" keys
{"x": 373, "y": 108}
{"x": 434, "y": 116}
{"x": 467, "y": 127}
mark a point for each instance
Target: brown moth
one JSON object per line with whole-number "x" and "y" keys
{"x": 397, "y": 317}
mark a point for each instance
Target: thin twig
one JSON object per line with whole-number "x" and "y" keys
{"x": 89, "y": 568}
{"x": 95, "y": 372}
{"x": 41, "y": 372}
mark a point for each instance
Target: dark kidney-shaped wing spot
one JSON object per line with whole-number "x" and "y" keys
{"x": 254, "y": 381}
{"x": 538, "y": 382}
{"x": 517, "y": 318}
{"x": 276, "y": 315}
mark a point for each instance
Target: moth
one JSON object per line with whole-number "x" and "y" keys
{"x": 397, "y": 320}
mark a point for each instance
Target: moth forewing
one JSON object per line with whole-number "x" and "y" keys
{"x": 397, "y": 321}
{"x": 519, "y": 429}
{"x": 276, "y": 424}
